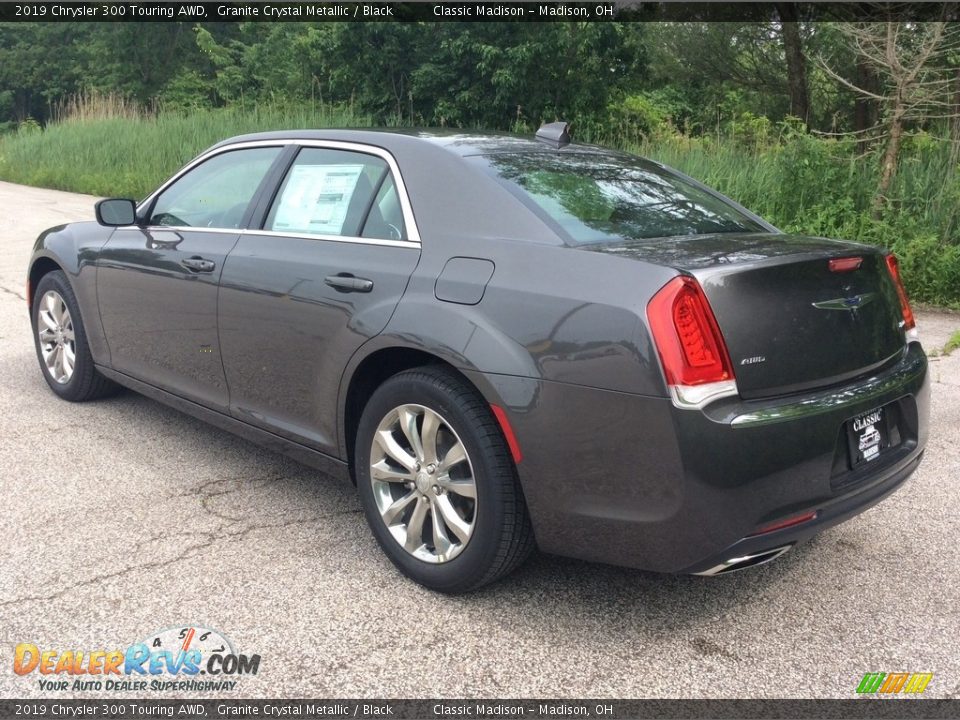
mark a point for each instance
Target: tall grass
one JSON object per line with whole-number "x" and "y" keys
{"x": 92, "y": 105}
{"x": 102, "y": 145}
{"x": 102, "y": 148}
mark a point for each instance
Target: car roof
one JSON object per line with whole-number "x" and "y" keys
{"x": 458, "y": 142}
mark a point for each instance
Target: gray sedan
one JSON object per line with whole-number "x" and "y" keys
{"x": 504, "y": 342}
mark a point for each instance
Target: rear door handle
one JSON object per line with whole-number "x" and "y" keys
{"x": 198, "y": 264}
{"x": 345, "y": 282}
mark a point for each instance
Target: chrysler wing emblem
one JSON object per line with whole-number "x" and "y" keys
{"x": 846, "y": 303}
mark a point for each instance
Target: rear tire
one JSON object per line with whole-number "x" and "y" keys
{"x": 61, "y": 342}
{"x": 437, "y": 482}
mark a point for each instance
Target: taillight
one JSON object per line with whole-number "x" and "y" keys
{"x": 845, "y": 264}
{"x": 894, "y": 267}
{"x": 687, "y": 336}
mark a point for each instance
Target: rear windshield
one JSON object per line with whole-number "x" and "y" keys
{"x": 596, "y": 198}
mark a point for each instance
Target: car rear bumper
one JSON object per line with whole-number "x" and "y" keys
{"x": 757, "y": 549}
{"x": 635, "y": 481}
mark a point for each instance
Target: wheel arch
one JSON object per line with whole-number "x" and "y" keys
{"x": 370, "y": 371}
{"x": 42, "y": 265}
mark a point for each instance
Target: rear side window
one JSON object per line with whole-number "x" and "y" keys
{"x": 597, "y": 198}
{"x": 336, "y": 193}
{"x": 385, "y": 221}
{"x": 216, "y": 193}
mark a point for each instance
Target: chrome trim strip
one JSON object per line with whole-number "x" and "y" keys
{"x": 694, "y": 397}
{"x": 912, "y": 367}
{"x": 336, "y": 238}
{"x": 413, "y": 232}
{"x": 729, "y": 566}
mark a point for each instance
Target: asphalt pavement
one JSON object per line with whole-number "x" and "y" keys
{"x": 124, "y": 517}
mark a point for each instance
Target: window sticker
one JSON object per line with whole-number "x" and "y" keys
{"x": 316, "y": 198}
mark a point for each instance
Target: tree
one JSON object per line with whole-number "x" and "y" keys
{"x": 912, "y": 63}
{"x": 796, "y": 61}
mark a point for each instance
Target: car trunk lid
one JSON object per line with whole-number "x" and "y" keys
{"x": 790, "y": 321}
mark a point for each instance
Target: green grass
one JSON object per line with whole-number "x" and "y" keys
{"x": 952, "y": 344}
{"x": 799, "y": 182}
{"x": 128, "y": 157}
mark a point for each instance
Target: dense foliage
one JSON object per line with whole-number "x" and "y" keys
{"x": 789, "y": 118}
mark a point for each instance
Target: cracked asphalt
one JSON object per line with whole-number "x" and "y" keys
{"x": 124, "y": 517}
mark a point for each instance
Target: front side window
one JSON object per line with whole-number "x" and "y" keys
{"x": 598, "y": 198}
{"x": 217, "y": 192}
{"x": 336, "y": 193}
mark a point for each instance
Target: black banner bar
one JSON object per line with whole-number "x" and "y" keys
{"x": 446, "y": 11}
{"x": 113, "y": 709}
{"x": 282, "y": 11}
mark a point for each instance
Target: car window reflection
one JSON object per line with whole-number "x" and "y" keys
{"x": 596, "y": 198}
{"x": 217, "y": 192}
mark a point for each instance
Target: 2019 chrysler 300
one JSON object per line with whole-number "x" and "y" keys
{"x": 506, "y": 342}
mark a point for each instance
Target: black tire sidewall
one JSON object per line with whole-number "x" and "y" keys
{"x": 470, "y": 567}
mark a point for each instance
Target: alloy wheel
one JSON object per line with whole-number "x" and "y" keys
{"x": 423, "y": 483}
{"x": 58, "y": 345}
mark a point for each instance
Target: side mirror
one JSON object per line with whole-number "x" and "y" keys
{"x": 116, "y": 212}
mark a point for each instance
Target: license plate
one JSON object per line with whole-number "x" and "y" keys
{"x": 868, "y": 435}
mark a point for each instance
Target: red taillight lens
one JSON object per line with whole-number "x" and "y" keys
{"x": 894, "y": 267}
{"x": 847, "y": 264}
{"x": 687, "y": 335}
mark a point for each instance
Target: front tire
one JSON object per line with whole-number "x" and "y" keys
{"x": 61, "y": 342}
{"x": 437, "y": 484}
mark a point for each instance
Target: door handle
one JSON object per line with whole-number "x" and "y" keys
{"x": 345, "y": 282}
{"x": 198, "y": 264}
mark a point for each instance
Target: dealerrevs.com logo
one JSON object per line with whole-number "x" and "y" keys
{"x": 182, "y": 652}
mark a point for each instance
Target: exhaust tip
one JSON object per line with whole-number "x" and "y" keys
{"x": 745, "y": 561}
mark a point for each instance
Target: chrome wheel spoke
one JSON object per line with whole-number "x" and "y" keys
{"x": 67, "y": 360}
{"x": 383, "y": 472}
{"x": 415, "y": 528}
{"x": 391, "y": 447}
{"x": 455, "y": 455}
{"x": 46, "y": 317}
{"x": 58, "y": 363}
{"x": 46, "y": 335}
{"x": 51, "y": 302}
{"x": 441, "y": 541}
{"x": 51, "y": 360}
{"x": 461, "y": 528}
{"x": 463, "y": 488}
{"x": 396, "y": 509}
{"x": 408, "y": 425}
{"x": 428, "y": 435}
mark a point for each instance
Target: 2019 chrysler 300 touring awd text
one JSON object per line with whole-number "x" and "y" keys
{"x": 505, "y": 342}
